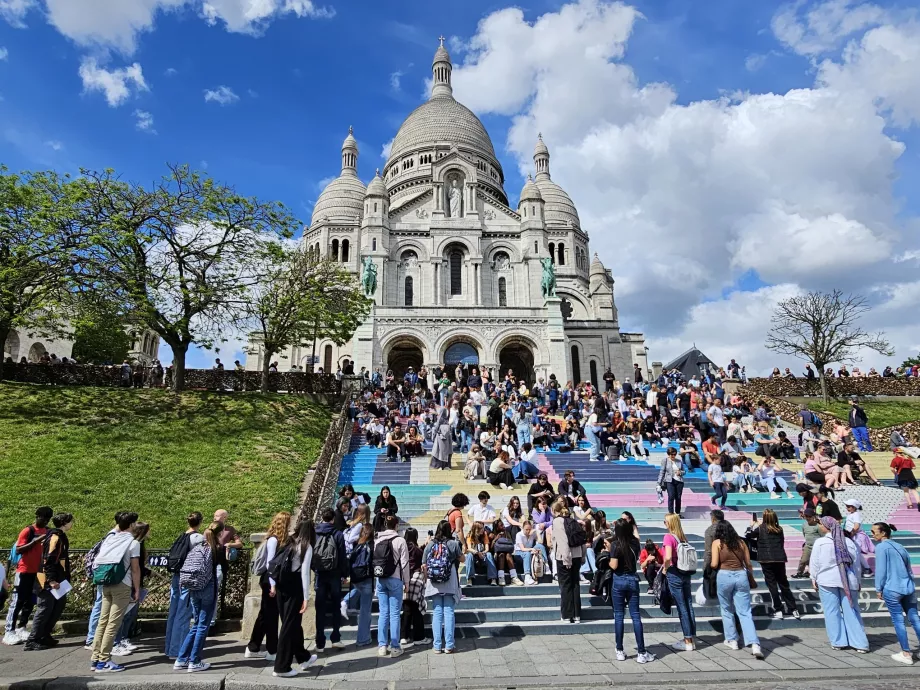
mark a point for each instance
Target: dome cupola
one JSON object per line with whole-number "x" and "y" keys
{"x": 559, "y": 207}
{"x": 343, "y": 199}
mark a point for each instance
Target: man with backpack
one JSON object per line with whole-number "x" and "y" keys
{"x": 179, "y": 617}
{"x": 331, "y": 567}
{"x": 27, "y": 557}
{"x": 117, "y": 568}
{"x": 391, "y": 568}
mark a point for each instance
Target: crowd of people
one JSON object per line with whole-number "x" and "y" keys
{"x": 358, "y": 550}
{"x": 912, "y": 371}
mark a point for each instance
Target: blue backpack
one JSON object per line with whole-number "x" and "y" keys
{"x": 438, "y": 563}
{"x": 15, "y": 556}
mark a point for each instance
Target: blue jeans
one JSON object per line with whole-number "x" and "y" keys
{"x": 590, "y": 564}
{"x": 680, "y": 585}
{"x": 177, "y": 622}
{"x": 523, "y": 435}
{"x": 721, "y": 493}
{"x": 861, "y": 434}
{"x": 491, "y": 572}
{"x": 594, "y": 442}
{"x": 735, "y": 597}
{"x": 389, "y": 599}
{"x": 93, "y": 616}
{"x": 442, "y": 621}
{"x": 626, "y": 593}
{"x": 202, "y": 603}
{"x": 465, "y": 441}
{"x": 740, "y": 481}
{"x": 843, "y": 623}
{"x": 527, "y": 557}
{"x": 525, "y": 470}
{"x": 898, "y": 605}
{"x": 773, "y": 482}
{"x": 364, "y": 592}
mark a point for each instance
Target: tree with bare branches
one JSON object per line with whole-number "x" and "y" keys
{"x": 823, "y": 328}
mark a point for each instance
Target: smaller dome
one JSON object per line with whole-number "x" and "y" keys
{"x": 540, "y": 149}
{"x": 342, "y": 200}
{"x": 350, "y": 141}
{"x": 531, "y": 192}
{"x": 559, "y": 207}
{"x": 597, "y": 268}
{"x": 441, "y": 55}
{"x": 377, "y": 187}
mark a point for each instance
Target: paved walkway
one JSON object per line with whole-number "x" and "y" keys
{"x": 545, "y": 661}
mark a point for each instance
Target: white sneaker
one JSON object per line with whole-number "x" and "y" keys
{"x": 755, "y": 650}
{"x": 395, "y": 653}
{"x": 778, "y": 615}
{"x": 774, "y": 495}
{"x": 424, "y": 641}
{"x": 645, "y": 658}
{"x": 383, "y": 651}
{"x": 269, "y": 657}
{"x": 199, "y": 667}
{"x": 517, "y": 581}
{"x": 343, "y": 609}
{"x": 120, "y": 650}
{"x": 503, "y": 487}
{"x": 11, "y": 638}
{"x": 248, "y": 654}
{"x": 621, "y": 656}
{"x": 309, "y": 662}
{"x": 180, "y": 666}
{"x": 285, "y": 674}
{"x": 528, "y": 580}
{"x": 130, "y": 645}
{"x": 731, "y": 644}
{"x": 788, "y": 494}
{"x": 683, "y": 646}
{"x": 406, "y": 644}
{"x": 338, "y": 645}
{"x": 901, "y": 659}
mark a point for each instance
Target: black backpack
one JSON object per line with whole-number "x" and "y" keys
{"x": 384, "y": 559}
{"x": 575, "y": 534}
{"x": 325, "y": 554}
{"x": 280, "y": 568}
{"x": 361, "y": 562}
{"x": 178, "y": 552}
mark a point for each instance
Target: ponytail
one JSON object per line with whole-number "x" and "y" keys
{"x": 886, "y": 528}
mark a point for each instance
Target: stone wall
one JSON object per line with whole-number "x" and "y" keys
{"x": 836, "y": 387}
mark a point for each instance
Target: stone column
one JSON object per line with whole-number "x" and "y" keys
{"x": 363, "y": 342}
{"x": 435, "y": 283}
{"x": 555, "y": 336}
{"x": 253, "y": 601}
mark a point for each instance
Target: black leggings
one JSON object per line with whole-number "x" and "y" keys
{"x": 25, "y": 599}
{"x": 266, "y": 625}
{"x": 775, "y": 576}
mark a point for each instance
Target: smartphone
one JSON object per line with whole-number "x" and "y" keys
{"x": 754, "y": 517}
{"x": 431, "y": 533}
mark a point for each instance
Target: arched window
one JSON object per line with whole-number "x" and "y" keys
{"x": 344, "y": 251}
{"x": 335, "y": 250}
{"x": 561, "y": 250}
{"x": 374, "y": 244}
{"x": 327, "y": 360}
{"x": 552, "y": 252}
{"x": 576, "y": 365}
{"x": 594, "y": 373}
{"x": 409, "y": 294}
{"x": 146, "y": 347}
{"x": 502, "y": 292}
{"x": 456, "y": 273}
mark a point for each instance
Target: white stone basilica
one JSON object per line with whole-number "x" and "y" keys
{"x": 458, "y": 270}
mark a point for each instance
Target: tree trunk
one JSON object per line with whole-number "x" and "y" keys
{"x": 5, "y": 329}
{"x": 823, "y": 385}
{"x": 179, "y": 351}
{"x": 266, "y": 364}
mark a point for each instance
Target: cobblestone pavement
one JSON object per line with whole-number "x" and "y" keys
{"x": 513, "y": 662}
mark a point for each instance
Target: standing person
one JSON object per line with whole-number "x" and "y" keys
{"x": 671, "y": 479}
{"x": 858, "y": 422}
{"x": 902, "y": 465}
{"x": 229, "y": 551}
{"x": 679, "y": 581}
{"x": 55, "y": 570}
{"x": 624, "y": 553}
{"x": 123, "y": 645}
{"x": 734, "y": 582}
{"x": 568, "y": 554}
{"x": 292, "y": 590}
{"x": 384, "y": 505}
{"x": 719, "y": 483}
{"x": 391, "y": 566}
{"x": 440, "y": 561}
{"x": 360, "y": 563}
{"x": 29, "y": 545}
{"x": 120, "y": 554}
{"x": 266, "y": 625}
{"x": 443, "y": 447}
{"x": 832, "y": 559}
{"x": 198, "y": 575}
{"x": 771, "y": 551}
{"x": 894, "y": 584}
{"x": 412, "y": 624}
{"x": 810, "y": 531}
{"x": 180, "y": 611}
{"x": 330, "y": 563}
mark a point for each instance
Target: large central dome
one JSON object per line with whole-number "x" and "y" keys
{"x": 442, "y": 120}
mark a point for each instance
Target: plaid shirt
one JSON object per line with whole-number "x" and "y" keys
{"x": 416, "y": 590}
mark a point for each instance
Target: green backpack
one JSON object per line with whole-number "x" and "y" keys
{"x": 110, "y": 573}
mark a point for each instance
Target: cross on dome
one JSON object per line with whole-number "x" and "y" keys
{"x": 442, "y": 39}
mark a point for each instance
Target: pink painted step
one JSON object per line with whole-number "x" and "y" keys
{"x": 547, "y": 469}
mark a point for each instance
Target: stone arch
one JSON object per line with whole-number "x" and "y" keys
{"x": 404, "y": 348}
{"x": 37, "y": 351}
{"x": 440, "y": 249}
{"x": 396, "y": 251}
{"x": 11, "y": 346}
{"x": 459, "y": 335}
{"x": 519, "y": 352}
{"x": 512, "y": 251}
{"x": 580, "y": 306}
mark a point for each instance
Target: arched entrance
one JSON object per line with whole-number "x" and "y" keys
{"x": 11, "y": 347}
{"x": 460, "y": 353}
{"x": 518, "y": 357}
{"x": 36, "y": 352}
{"x": 404, "y": 354}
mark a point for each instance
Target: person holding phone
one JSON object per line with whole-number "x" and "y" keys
{"x": 29, "y": 550}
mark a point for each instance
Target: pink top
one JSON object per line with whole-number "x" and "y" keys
{"x": 670, "y": 540}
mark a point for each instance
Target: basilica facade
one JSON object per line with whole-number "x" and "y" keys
{"x": 459, "y": 272}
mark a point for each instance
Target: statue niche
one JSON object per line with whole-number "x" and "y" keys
{"x": 453, "y": 193}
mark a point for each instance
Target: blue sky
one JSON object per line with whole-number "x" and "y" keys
{"x": 293, "y": 84}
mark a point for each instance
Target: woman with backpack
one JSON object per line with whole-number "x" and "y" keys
{"x": 199, "y": 576}
{"x": 568, "y": 554}
{"x": 360, "y": 519}
{"x": 734, "y": 582}
{"x": 675, "y": 545}
{"x": 266, "y": 625}
{"x": 391, "y": 567}
{"x": 624, "y": 551}
{"x": 440, "y": 560}
{"x": 291, "y": 571}
{"x": 361, "y": 565}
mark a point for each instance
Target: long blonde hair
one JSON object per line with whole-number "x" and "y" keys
{"x": 771, "y": 522}
{"x": 280, "y": 528}
{"x": 361, "y": 516}
{"x": 560, "y": 507}
{"x": 672, "y": 520}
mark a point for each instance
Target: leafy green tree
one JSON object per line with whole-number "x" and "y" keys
{"x": 300, "y": 298}
{"x": 911, "y": 362}
{"x": 37, "y": 239}
{"x": 179, "y": 256}
{"x": 100, "y": 331}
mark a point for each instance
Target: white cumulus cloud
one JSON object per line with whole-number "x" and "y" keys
{"x": 116, "y": 84}
{"x": 385, "y": 150}
{"x": 222, "y": 95}
{"x": 144, "y": 121}
{"x": 819, "y": 28}
{"x": 15, "y": 11}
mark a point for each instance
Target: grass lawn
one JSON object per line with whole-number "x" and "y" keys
{"x": 94, "y": 451}
{"x": 880, "y": 413}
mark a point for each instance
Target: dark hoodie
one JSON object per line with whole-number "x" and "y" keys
{"x": 328, "y": 528}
